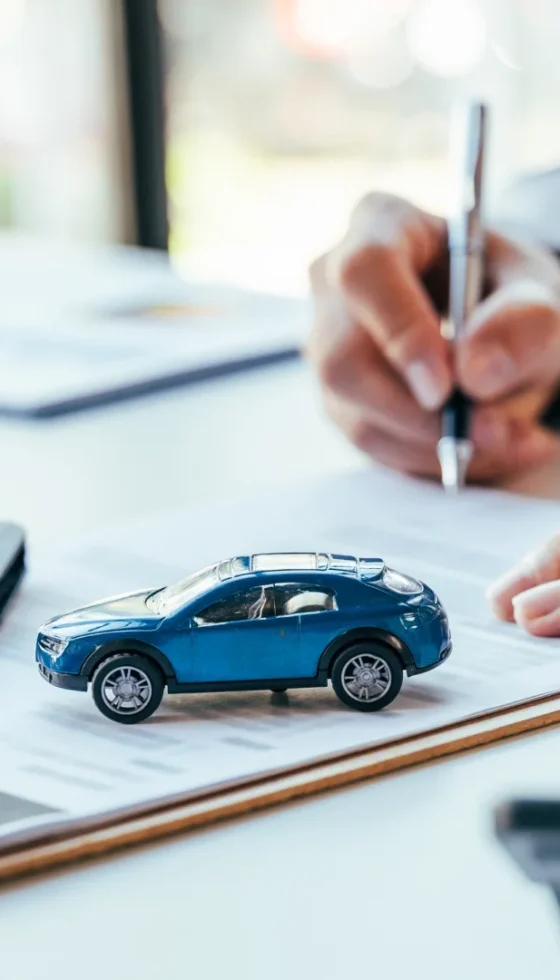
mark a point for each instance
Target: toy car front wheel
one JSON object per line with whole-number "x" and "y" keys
{"x": 367, "y": 676}
{"x": 127, "y": 687}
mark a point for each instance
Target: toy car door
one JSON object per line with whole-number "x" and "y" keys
{"x": 239, "y": 639}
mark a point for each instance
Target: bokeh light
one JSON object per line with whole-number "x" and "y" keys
{"x": 384, "y": 64}
{"x": 336, "y": 27}
{"x": 447, "y": 37}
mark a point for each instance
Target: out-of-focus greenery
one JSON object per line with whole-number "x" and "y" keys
{"x": 6, "y": 199}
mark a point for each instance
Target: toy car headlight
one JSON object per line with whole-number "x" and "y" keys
{"x": 424, "y": 613}
{"x": 398, "y": 582}
{"x": 53, "y": 645}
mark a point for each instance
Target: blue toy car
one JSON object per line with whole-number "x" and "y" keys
{"x": 269, "y": 621}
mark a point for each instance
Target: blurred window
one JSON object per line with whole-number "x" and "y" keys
{"x": 61, "y": 118}
{"x": 281, "y": 113}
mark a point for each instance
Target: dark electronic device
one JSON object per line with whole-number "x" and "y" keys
{"x": 12, "y": 560}
{"x": 530, "y": 831}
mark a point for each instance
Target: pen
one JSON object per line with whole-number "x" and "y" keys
{"x": 466, "y": 271}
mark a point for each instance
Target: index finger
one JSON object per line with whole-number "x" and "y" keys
{"x": 379, "y": 265}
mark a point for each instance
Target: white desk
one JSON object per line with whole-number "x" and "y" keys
{"x": 395, "y": 878}
{"x": 220, "y": 437}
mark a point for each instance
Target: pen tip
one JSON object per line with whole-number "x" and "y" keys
{"x": 454, "y": 458}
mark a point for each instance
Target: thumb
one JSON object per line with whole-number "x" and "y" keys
{"x": 513, "y": 340}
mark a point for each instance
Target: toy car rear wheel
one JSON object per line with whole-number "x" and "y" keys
{"x": 367, "y": 676}
{"x": 127, "y": 687}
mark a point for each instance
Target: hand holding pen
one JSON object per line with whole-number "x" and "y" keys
{"x": 386, "y": 370}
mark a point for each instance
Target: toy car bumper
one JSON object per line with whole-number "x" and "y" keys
{"x": 72, "y": 682}
{"x": 443, "y": 656}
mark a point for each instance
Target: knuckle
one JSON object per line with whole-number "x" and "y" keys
{"x": 355, "y": 426}
{"x": 362, "y": 434}
{"x": 372, "y": 201}
{"x": 380, "y": 204}
{"x": 355, "y": 268}
{"x": 331, "y": 367}
{"x": 316, "y": 273}
{"x": 336, "y": 411}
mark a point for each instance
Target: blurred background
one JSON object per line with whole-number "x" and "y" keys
{"x": 278, "y": 115}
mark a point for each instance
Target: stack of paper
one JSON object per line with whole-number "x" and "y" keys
{"x": 83, "y": 326}
{"x": 62, "y": 759}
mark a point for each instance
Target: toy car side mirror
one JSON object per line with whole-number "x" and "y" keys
{"x": 184, "y": 623}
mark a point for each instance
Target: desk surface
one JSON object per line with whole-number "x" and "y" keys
{"x": 396, "y": 877}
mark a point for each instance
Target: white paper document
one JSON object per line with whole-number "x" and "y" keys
{"x": 82, "y": 326}
{"x": 62, "y": 758}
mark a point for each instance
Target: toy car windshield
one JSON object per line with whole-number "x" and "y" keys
{"x": 174, "y": 596}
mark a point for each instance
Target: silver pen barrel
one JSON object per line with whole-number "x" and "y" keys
{"x": 466, "y": 279}
{"x": 466, "y": 235}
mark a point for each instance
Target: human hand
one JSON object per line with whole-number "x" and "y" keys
{"x": 384, "y": 367}
{"x": 529, "y": 593}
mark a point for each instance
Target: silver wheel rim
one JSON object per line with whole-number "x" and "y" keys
{"x": 126, "y": 690}
{"x": 366, "y": 678}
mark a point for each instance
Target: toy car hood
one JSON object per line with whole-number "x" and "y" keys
{"x": 130, "y": 607}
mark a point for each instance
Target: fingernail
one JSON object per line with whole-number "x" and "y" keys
{"x": 498, "y": 594}
{"x": 497, "y": 588}
{"x": 491, "y": 372}
{"x": 427, "y": 384}
{"x": 538, "y": 602}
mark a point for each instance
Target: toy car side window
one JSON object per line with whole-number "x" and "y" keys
{"x": 294, "y": 600}
{"x": 256, "y": 603}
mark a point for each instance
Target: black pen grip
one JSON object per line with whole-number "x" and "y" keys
{"x": 455, "y": 416}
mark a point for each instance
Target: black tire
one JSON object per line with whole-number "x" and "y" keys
{"x": 387, "y": 669}
{"x": 149, "y": 681}
{"x": 278, "y": 690}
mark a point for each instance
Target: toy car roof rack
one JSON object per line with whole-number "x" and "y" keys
{"x": 299, "y": 561}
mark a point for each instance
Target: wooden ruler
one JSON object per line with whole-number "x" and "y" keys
{"x": 74, "y": 840}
